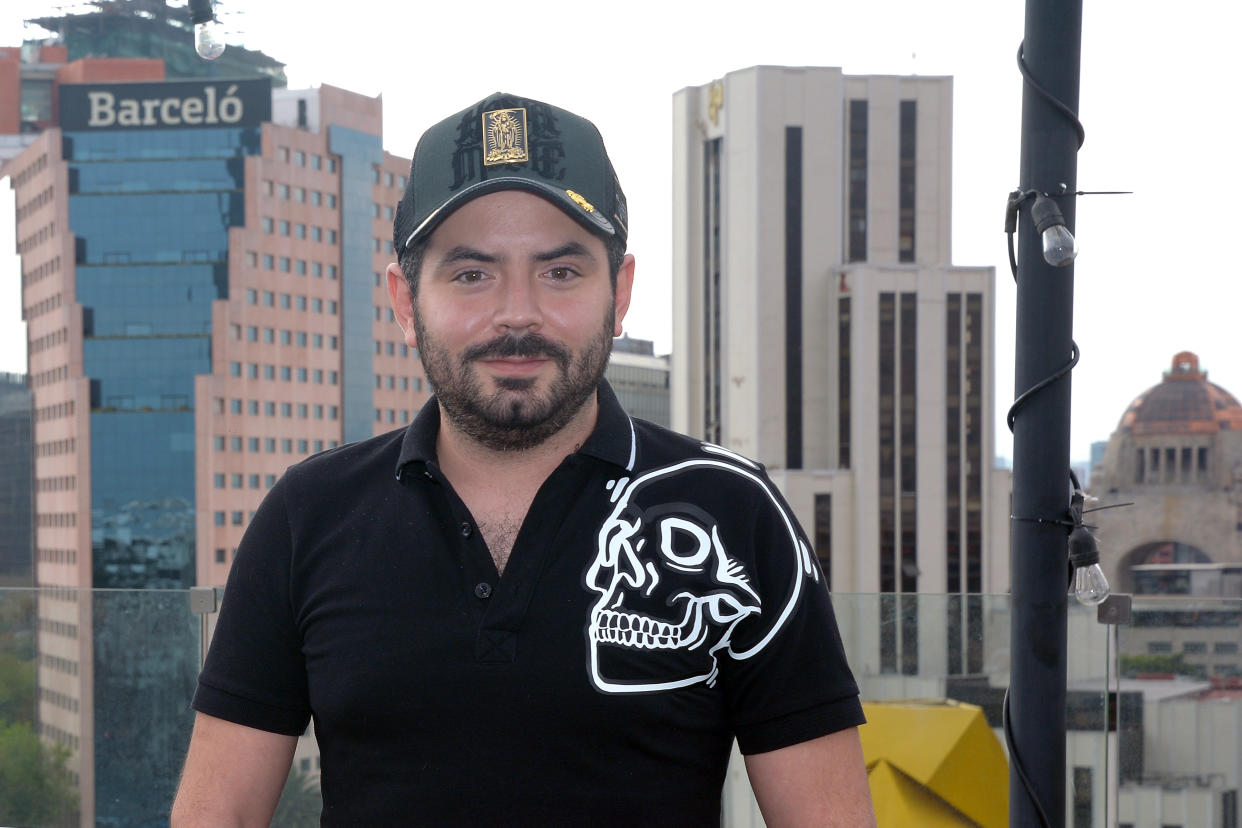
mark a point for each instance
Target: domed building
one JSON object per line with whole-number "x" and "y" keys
{"x": 1177, "y": 454}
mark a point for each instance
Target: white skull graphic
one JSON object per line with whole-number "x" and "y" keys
{"x": 671, "y": 596}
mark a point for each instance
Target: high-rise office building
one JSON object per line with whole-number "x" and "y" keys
{"x": 823, "y": 330}
{"x": 202, "y": 280}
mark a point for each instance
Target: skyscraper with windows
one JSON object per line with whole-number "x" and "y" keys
{"x": 823, "y": 330}
{"x": 202, "y": 279}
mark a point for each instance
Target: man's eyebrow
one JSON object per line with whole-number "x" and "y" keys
{"x": 461, "y": 253}
{"x": 572, "y": 248}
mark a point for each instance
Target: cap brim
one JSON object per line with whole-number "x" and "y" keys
{"x": 585, "y": 214}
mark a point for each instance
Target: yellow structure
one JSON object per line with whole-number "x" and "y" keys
{"x": 935, "y": 764}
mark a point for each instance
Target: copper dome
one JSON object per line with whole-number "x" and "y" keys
{"x": 1184, "y": 403}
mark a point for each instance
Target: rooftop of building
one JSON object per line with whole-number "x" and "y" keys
{"x": 1185, "y": 402}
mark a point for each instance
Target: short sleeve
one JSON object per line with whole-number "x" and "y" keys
{"x": 787, "y": 680}
{"x": 255, "y": 674}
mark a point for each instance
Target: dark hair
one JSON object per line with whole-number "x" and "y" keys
{"x": 410, "y": 260}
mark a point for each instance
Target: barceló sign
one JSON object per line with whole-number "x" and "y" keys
{"x": 170, "y": 105}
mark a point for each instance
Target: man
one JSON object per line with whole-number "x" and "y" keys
{"x": 526, "y": 608}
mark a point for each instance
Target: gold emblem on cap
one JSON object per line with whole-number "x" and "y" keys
{"x": 504, "y": 137}
{"x": 580, "y": 201}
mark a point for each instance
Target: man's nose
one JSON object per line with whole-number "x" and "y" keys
{"x": 518, "y": 305}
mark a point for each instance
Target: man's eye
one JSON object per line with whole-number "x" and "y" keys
{"x": 469, "y": 277}
{"x": 561, "y": 274}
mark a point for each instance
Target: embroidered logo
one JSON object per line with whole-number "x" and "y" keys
{"x": 479, "y": 150}
{"x": 580, "y": 201}
{"x": 505, "y": 137}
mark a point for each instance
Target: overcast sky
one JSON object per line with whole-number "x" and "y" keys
{"x": 1154, "y": 275}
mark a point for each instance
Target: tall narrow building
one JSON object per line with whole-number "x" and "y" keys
{"x": 823, "y": 330}
{"x": 202, "y": 280}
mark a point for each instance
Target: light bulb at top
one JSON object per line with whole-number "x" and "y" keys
{"x": 1060, "y": 246}
{"x": 209, "y": 39}
{"x": 1090, "y": 585}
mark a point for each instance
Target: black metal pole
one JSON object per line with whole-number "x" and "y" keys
{"x": 1045, "y": 308}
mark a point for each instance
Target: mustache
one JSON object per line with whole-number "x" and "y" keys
{"x": 529, "y": 345}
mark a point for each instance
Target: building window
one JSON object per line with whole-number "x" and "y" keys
{"x": 843, "y": 382}
{"x": 857, "y": 251}
{"x": 906, "y": 182}
{"x": 1082, "y": 797}
{"x": 793, "y": 297}
{"x": 823, "y": 535}
{"x": 887, "y": 500}
{"x": 713, "y": 381}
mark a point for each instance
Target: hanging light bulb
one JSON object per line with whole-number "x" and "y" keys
{"x": 1060, "y": 246}
{"x": 208, "y": 33}
{"x": 1090, "y": 585}
{"x": 209, "y": 39}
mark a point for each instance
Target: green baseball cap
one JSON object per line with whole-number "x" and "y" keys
{"x": 505, "y": 142}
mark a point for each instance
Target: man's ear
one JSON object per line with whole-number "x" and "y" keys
{"x": 402, "y": 303}
{"x": 625, "y": 285}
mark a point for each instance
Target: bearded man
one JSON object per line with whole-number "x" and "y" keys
{"x": 525, "y": 608}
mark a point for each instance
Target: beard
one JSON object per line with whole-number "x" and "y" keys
{"x": 517, "y": 416}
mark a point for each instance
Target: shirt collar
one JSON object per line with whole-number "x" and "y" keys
{"x": 613, "y": 440}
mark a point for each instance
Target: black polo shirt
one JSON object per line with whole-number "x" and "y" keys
{"x": 659, "y": 601}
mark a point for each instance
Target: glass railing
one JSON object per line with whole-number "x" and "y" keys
{"x": 1179, "y": 703}
{"x": 95, "y": 689}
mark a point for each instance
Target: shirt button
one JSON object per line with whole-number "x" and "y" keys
{"x": 466, "y": 529}
{"x": 482, "y": 590}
